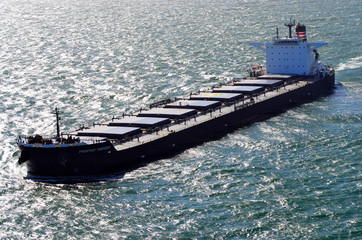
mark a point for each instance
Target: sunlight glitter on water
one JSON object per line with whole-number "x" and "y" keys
{"x": 295, "y": 175}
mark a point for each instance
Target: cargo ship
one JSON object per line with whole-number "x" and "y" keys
{"x": 292, "y": 75}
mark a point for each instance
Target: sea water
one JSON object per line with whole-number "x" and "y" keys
{"x": 293, "y": 176}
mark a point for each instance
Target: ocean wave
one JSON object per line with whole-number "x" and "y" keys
{"x": 353, "y": 63}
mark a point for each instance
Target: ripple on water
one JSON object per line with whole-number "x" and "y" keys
{"x": 296, "y": 175}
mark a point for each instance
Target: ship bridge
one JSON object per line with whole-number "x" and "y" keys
{"x": 294, "y": 56}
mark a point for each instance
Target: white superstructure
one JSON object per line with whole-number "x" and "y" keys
{"x": 290, "y": 55}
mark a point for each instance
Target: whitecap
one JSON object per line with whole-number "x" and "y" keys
{"x": 353, "y": 63}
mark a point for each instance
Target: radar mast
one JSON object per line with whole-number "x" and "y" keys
{"x": 290, "y": 25}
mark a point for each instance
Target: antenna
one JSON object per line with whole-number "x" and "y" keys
{"x": 277, "y": 34}
{"x": 290, "y": 25}
{"x": 57, "y": 112}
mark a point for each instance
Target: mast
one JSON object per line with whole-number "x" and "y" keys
{"x": 290, "y": 25}
{"x": 57, "y": 112}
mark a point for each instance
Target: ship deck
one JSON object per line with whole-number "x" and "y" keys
{"x": 166, "y": 118}
{"x": 200, "y": 118}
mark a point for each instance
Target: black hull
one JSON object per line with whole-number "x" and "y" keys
{"x": 103, "y": 158}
